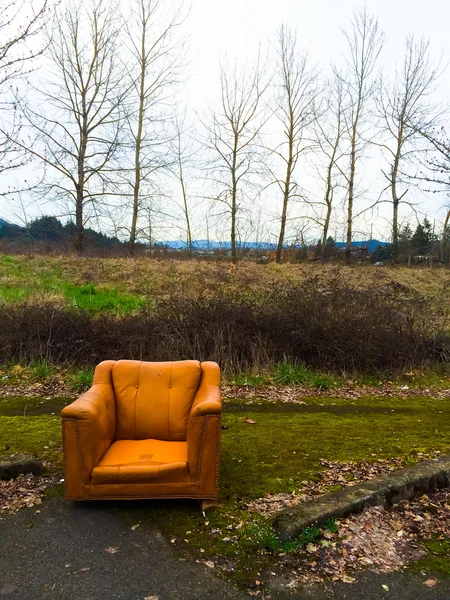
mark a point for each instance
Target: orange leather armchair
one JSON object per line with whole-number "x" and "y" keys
{"x": 145, "y": 430}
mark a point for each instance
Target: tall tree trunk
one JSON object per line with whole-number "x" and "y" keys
{"x": 329, "y": 192}
{"x": 442, "y": 252}
{"x": 79, "y": 206}
{"x": 287, "y": 186}
{"x": 234, "y": 201}
{"x": 137, "y": 152}
{"x": 351, "y": 182}
{"x": 185, "y": 206}
{"x": 395, "y": 198}
{"x": 78, "y": 241}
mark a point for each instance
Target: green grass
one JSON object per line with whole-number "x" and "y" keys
{"x": 90, "y": 297}
{"x": 288, "y": 373}
{"x": 250, "y": 380}
{"x": 47, "y": 280}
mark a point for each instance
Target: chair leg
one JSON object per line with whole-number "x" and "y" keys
{"x": 209, "y": 504}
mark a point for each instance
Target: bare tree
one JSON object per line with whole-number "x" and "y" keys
{"x": 404, "y": 106}
{"x": 156, "y": 62}
{"x": 20, "y": 24}
{"x": 183, "y": 152}
{"x": 365, "y": 41}
{"x": 295, "y": 109}
{"x": 328, "y": 133}
{"x": 233, "y": 132}
{"x": 78, "y": 128}
{"x": 436, "y": 171}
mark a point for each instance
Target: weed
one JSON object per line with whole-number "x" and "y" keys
{"x": 259, "y": 533}
{"x": 323, "y": 382}
{"x": 292, "y": 546}
{"x": 309, "y": 535}
{"x": 331, "y": 525}
{"x": 291, "y": 373}
{"x": 41, "y": 370}
{"x": 250, "y": 380}
{"x": 287, "y": 373}
{"x": 81, "y": 379}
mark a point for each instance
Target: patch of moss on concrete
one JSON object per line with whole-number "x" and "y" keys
{"x": 23, "y": 406}
{"x": 55, "y": 491}
{"x": 282, "y": 449}
{"x": 438, "y": 557}
{"x": 39, "y": 436}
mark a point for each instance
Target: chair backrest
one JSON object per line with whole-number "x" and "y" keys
{"x": 153, "y": 399}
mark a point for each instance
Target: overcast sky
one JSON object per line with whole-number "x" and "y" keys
{"x": 235, "y": 29}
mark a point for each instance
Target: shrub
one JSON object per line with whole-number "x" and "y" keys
{"x": 287, "y": 373}
{"x": 326, "y": 325}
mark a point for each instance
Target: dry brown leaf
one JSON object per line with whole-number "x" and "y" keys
{"x": 430, "y": 582}
{"x": 250, "y": 421}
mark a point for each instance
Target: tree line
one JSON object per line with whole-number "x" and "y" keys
{"x": 102, "y": 126}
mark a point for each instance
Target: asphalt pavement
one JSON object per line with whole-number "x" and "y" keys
{"x": 83, "y": 551}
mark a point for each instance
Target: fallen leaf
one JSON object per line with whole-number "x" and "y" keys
{"x": 250, "y": 421}
{"x": 385, "y": 587}
{"x": 210, "y": 564}
{"x": 430, "y": 582}
{"x": 111, "y": 550}
{"x": 134, "y": 527}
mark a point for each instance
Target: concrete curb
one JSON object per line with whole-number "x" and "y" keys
{"x": 383, "y": 491}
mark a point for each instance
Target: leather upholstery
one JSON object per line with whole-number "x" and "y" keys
{"x": 145, "y": 430}
{"x": 154, "y": 399}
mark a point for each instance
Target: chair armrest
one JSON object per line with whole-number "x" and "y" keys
{"x": 203, "y": 431}
{"x": 208, "y": 398}
{"x": 89, "y": 426}
{"x": 213, "y": 405}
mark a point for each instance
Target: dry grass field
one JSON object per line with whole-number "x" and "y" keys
{"x": 72, "y": 310}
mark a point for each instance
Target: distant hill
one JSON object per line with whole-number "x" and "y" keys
{"x": 213, "y": 245}
{"x": 4, "y": 223}
{"x": 48, "y": 233}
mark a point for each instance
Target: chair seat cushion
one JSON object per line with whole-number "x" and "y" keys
{"x": 142, "y": 461}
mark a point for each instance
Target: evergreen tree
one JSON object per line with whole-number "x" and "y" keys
{"x": 46, "y": 228}
{"x": 423, "y": 238}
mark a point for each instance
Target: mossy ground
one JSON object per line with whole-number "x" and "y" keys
{"x": 275, "y": 454}
{"x": 37, "y": 435}
{"x": 438, "y": 558}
